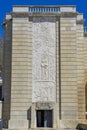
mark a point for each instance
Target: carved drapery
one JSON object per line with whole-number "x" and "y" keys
{"x": 44, "y": 43}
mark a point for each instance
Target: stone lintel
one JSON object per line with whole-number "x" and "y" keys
{"x": 44, "y": 105}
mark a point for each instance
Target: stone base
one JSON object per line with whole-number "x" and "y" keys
{"x": 18, "y": 124}
{"x": 68, "y": 124}
{"x": 62, "y": 124}
{"x": 40, "y": 129}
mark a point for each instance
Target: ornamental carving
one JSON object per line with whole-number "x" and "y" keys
{"x": 44, "y": 47}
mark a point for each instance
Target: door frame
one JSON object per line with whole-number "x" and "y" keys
{"x": 51, "y": 106}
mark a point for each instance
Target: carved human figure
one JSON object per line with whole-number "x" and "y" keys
{"x": 44, "y": 67}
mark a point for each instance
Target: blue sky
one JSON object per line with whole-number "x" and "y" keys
{"x": 6, "y": 6}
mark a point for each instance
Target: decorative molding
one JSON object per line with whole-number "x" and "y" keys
{"x": 44, "y": 105}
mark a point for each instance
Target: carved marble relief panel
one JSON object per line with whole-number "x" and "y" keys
{"x": 44, "y": 62}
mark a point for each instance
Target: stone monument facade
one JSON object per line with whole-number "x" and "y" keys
{"x": 45, "y": 68}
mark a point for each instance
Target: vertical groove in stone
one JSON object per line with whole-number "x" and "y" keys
{"x": 60, "y": 98}
{"x": 57, "y": 63}
{"x": 30, "y": 62}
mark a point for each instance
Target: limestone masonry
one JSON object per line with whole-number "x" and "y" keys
{"x": 45, "y": 68}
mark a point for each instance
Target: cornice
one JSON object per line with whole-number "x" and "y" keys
{"x": 80, "y": 21}
{"x": 68, "y": 14}
{"x": 53, "y": 14}
{"x": 27, "y": 14}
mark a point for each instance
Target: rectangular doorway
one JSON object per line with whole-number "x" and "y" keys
{"x": 44, "y": 118}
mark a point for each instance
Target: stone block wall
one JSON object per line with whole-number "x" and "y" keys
{"x": 80, "y": 71}
{"x": 21, "y": 74}
{"x": 69, "y": 103}
{"x": 85, "y": 69}
{"x": 47, "y": 51}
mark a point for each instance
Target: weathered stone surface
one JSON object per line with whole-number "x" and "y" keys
{"x": 68, "y": 124}
{"x": 44, "y": 66}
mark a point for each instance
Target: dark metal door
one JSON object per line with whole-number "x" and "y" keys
{"x": 44, "y": 118}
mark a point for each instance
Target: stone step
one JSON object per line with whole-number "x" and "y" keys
{"x": 39, "y": 129}
{"x": 51, "y": 129}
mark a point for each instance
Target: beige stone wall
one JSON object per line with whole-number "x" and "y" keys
{"x": 85, "y": 68}
{"x": 85, "y": 57}
{"x": 69, "y": 103}
{"x": 80, "y": 71}
{"x": 21, "y": 76}
{"x": 53, "y": 48}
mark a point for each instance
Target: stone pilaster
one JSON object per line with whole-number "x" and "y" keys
{"x": 69, "y": 102}
{"x": 85, "y": 69}
{"x": 80, "y": 68}
{"x": 21, "y": 95}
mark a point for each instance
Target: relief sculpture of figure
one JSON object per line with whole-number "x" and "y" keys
{"x": 44, "y": 67}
